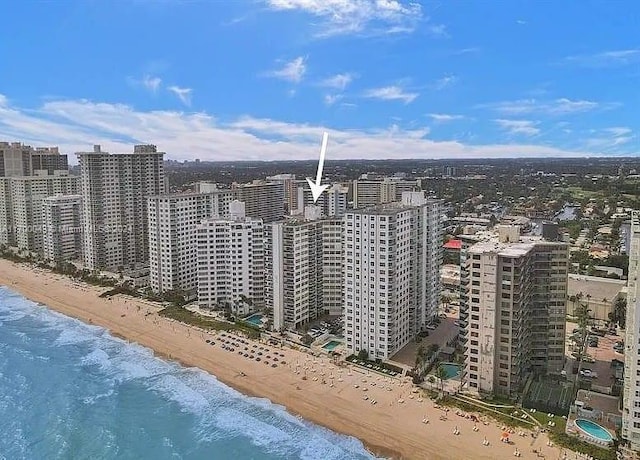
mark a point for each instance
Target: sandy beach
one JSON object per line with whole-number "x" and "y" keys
{"x": 314, "y": 388}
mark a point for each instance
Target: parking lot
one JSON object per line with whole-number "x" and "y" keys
{"x": 602, "y": 354}
{"x": 445, "y": 331}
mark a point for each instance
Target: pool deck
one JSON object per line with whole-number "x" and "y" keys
{"x": 605, "y": 409}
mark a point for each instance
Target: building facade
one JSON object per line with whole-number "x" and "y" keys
{"x": 173, "y": 219}
{"x": 17, "y": 159}
{"x": 231, "y": 262}
{"x": 115, "y": 190}
{"x": 631, "y": 394}
{"x": 62, "y": 227}
{"x": 368, "y": 192}
{"x": 21, "y": 201}
{"x": 303, "y": 269}
{"x": 332, "y": 202}
{"x": 263, "y": 200}
{"x": 392, "y": 254}
{"x": 515, "y": 310}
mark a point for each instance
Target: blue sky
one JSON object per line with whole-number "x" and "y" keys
{"x": 262, "y": 79}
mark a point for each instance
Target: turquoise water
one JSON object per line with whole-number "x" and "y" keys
{"x": 594, "y": 430}
{"x": 452, "y": 369}
{"x": 330, "y": 346}
{"x": 69, "y": 390}
{"x": 256, "y": 319}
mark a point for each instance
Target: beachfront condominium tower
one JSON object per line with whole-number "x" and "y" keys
{"x": 631, "y": 396}
{"x": 115, "y": 188}
{"x": 303, "y": 269}
{"x": 17, "y": 159}
{"x": 262, "y": 199}
{"x": 332, "y": 202}
{"x": 173, "y": 218}
{"x": 515, "y": 289}
{"x": 62, "y": 227}
{"x": 21, "y": 204}
{"x": 370, "y": 192}
{"x": 231, "y": 262}
{"x": 392, "y": 256}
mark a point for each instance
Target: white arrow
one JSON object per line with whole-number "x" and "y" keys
{"x": 316, "y": 188}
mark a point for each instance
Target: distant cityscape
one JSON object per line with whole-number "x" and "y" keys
{"x": 510, "y": 280}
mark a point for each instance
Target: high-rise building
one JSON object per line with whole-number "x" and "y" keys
{"x": 303, "y": 269}
{"x": 114, "y": 188}
{"x": 231, "y": 262}
{"x": 290, "y": 188}
{"x": 173, "y": 219}
{"x": 17, "y": 159}
{"x": 368, "y": 192}
{"x": 515, "y": 292}
{"x": 21, "y": 201}
{"x": 631, "y": 394}
{"x": 332, "y": 202}
{"x": 62, "y": 227}
{"x": 263, "y": 200}
{"x": 393, "y": 254}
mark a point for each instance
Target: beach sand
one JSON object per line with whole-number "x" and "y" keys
{"x": 389, "y": 428}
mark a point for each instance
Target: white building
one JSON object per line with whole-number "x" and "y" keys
{"x": 21, "y": 200}
{"x": 114, "y": 188}
{"x": 173, "y": 219}
{"x": 62, "y": 237}
{"x": 231, "y": 262}
{"x": 631, "y": 395}
{"x": 513, "y": 310}
{"x": 303, "y": 269}
{"x": 392, "y": 273}
{"x": 332, "y": 202}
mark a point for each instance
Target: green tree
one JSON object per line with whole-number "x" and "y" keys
{"x": 441, "y": 374}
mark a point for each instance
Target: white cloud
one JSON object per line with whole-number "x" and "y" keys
{"x": 330, "y": 99}
{"x": 391, "y": 93}
{"x": 292, "y": 71}
{"x": 356, "y": 16}
{"x": 339, "y": 81}
{"x": 184, "y": 94}
{"x": 444, "y": 117}
{"x": 560, "y": 106}
{"x": 148, "y": 82}
{"x": 618, "y": 131}
{"x": 605, "y": 58}
{"x": 438, "y": 30}
{"x": 151, "y": 83}
{"x": 75, "y": 125}
{"x": 524, "y": 127}
{"x": 445, "y": 82}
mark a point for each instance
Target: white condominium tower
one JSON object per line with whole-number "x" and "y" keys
{"x": 231, "y": 262}
{"x": 21, "y": 200}
{"x": 392, "y": 273}
{"x": 303, "y": 269}
{"x": 515, "y": 291}
{"x": 332, "y": 202}
{"x": 62, "y": 238}
{"x": 173, "y": 218}
{"x": 631, "y": 396}
{"x": 114, "y": 188}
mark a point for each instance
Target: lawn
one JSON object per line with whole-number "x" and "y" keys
{"x": 188, "y": 317}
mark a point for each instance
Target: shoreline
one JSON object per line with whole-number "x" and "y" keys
{"x": 339, "y": 406}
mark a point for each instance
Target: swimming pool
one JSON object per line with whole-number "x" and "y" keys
{"x": 452, "y": 369}
{"x": 256, "y": 319}
{"x": 330, "y": 346}
{"x": 594, "y": 430}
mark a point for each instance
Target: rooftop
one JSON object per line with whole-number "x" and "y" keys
{"x": 595, "y": 287}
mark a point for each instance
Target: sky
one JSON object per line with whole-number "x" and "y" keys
{"x": 262, "y": 79}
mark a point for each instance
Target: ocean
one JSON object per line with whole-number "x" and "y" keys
{"x": 70, "y": 390}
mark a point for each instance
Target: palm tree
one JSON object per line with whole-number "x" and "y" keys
{"x": 441, "y": 373}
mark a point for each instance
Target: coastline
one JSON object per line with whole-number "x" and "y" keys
{"x": 389, "y": 429}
